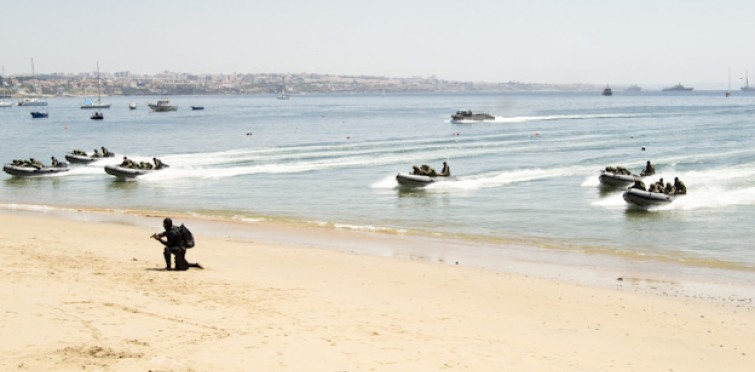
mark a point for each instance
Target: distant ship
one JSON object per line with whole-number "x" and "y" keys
{"x": 633, "y": 88}
{"x": 677, "y": 88}
{"x": 607, "y": 92}
{"x": 747, "y": 87}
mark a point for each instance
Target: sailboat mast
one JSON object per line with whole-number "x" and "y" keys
{"x": 98, "y": 82}
{"x": 33, "y": 79}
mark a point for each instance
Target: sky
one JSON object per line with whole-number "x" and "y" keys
{"x": 561, "y": 42}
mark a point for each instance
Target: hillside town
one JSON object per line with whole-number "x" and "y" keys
{"x": 174, "y": 83}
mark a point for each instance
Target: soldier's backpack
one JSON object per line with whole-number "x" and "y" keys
{"x": 186, "y": 236}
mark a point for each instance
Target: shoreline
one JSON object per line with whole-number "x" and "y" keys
{"x": 650, "y": 275}
{"x": 85, "y": 294}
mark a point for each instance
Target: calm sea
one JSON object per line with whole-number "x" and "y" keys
{"x": 529, "y": 177}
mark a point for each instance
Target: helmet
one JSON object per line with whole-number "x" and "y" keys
{"x": 167, "y": 222}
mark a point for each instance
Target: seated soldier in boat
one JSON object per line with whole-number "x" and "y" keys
{"x": 145, "y": 165}
{"x": 638, "y": 184}
{"x": 669, "y": 189}
{"x": 79, "y": 152}
{"x": 648, "y": 171}
{"x": 106, "y": 153}
{"x": 679, "y": 187}
{"x": 159, "y": 164}
{"x": 446, "y": 172}
{"x": 428, "y": 170}
{"x": 128, "y": 163}
{"x": 35, "y": 163}
{"x": 96, "y": 154}
{"x": 661, "y": 184}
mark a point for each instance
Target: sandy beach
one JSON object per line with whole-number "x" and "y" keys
{"x": 93, "y": 295}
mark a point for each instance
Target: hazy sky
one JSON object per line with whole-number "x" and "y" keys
{"x": 591, "y": 41}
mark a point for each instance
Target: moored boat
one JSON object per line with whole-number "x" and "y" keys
{"x": 607, "y": 92}
{"x": 162, "y": 105}
{"x": 29, "y": 171}
{"x": 132, "y": 106}
{"x": 89, "y": 104}
{"x": 197, "y": 108}
{"x": 5, "y": 104}
{"x": 38, "y": 114}
{"x": 464, "y": 115}
{"x": 644, "y": 198}
{"x": 97, "y": 116}
{"x": 32, "y": 102}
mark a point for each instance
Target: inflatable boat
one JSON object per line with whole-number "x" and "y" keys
{"x": 27, "y": 171}
{"x": 415, "y": 180}
{"x": 84, "y": 159}
{"x": 644, "y": 198}
{"x": 123, "y": 172}
{"x": 617, "y": 180}
{"x": 467, "y": 115}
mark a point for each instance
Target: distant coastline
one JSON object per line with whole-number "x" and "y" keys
{"x": 170, "y": 83}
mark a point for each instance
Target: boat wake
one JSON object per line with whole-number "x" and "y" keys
{"x": 524, "y": 119}
{"x": 489, "y": 179}
{"x": 714, "y": 188}
{"x": 282, "y": 160}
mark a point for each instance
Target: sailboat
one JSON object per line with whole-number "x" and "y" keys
{"x": 728, "y": 89}
{"x": 747, "y": 87}
{"x": 282, "y": 91}
{"x": 88, "y": 104}
{"x": 283, "y": 95}
{"x": 33, "y": 101}
{"x": 4, "y": 103}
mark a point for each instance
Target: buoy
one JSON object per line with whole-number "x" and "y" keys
{"x": 643, "y": 148}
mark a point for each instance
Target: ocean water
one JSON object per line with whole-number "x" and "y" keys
{"x": 528, "y": 178}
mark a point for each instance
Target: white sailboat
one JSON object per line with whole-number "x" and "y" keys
{"x": 4, "y": 103}
{"x": 88, "y": 104}
{"x": 33, "y": 101}
{"x": 282, "y": 95}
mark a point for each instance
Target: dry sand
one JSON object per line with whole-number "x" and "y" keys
{"x": 91, "y": 295}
